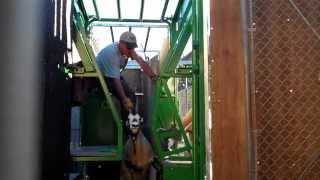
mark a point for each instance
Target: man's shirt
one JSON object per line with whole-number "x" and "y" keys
{"x": 110, "y": 61}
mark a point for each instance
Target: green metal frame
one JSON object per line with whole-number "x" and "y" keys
{"x": 166, "y": 122}
{"x": 92, "y": 70}
{"x": 198, "y": 89}
{"x": 187, "y": 20}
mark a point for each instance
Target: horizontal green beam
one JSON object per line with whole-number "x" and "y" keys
{"x": 127, "y": 24}
{"x": 129, "y": 20}
{"x": 177, "y": 151}
{"x": 85, "y": 74}
{"x": 97, "y": 158}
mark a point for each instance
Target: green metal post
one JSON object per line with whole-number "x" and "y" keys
{"x": 147, "y": 38}
{"x": 141, "y": 9}
{"x": 119, "y": 9}
{"x": 164, "y": 10}
{"x": 178, "y": 11}
{"x": 198, "y": 109}
{"x": 81, "y": 6}
{"x": 112, "y": 35}
{"x": 96, "y": 9}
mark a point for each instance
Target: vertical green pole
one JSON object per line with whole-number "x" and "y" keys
{"x": 164, "y": 9}
{"x": 96, "y": 9}
{"x": 198, "y": 109}
{"x": 119, "y": 9}
{"x": 141, "y": 10}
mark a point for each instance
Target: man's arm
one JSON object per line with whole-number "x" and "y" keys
{"x": 145, "y": 67}
{"x": 120, "y": 91}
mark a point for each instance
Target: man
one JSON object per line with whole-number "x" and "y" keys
{"x": 113, "y": 58}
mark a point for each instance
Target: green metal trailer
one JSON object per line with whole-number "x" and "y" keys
{"x": 186, "y": 158}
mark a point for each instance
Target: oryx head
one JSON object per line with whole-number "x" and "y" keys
{"x": 134, "y": 123}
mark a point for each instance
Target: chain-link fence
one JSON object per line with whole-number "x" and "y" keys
{"x": 286, "y": 59}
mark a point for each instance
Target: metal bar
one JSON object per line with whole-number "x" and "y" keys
{"x": 130, "y": 20}
{"x": 119, "y": 10}
{"x": 178, "y": 10}
{"x": 80, "y": 5}
{"x": 141, "y": 9}
{"x": 198, "y": 92}
{"x": 172, "y": 33}
{"x": 253, "y": 166}
{"x": 96, "y": 159}
{"x": 247, "y": 24}
{"x": 132, "y": 24}
{"x": 164, "y": 10}
{"x": 147, "y": 38}
{"x": 96, "y": 8}
{"x": 130, "y": 28}
{"x": 175, "y": 52}
{"x": 112, "y": 35}
{"x": 85, "y": 75}
{"x": 177, "y": 151}
{"x": 176, "y": 24}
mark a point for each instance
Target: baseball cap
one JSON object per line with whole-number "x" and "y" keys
{"x": 130, "y": 39}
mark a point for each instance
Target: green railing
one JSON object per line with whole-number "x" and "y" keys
{"x": 92, "y": 70}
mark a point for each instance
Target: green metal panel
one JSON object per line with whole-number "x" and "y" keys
{"x": 167, "y": 123}
{"x": 177, "y": 171}
{"x": 97, "y": 124}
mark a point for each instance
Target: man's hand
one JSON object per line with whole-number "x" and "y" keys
{"x": 155, "y": 77}
{"x": 134, "y": 55}
{"x": 127, "y": 104}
